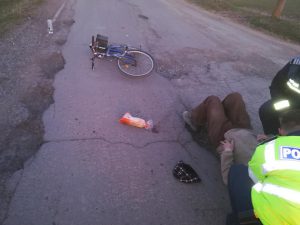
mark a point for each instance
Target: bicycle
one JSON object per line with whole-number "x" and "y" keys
{"x": 131, "y": 61}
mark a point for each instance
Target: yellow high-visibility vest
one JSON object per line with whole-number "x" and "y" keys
{"x": 275, "y": 169}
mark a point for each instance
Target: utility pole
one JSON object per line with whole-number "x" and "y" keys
{"x": 278, "y": 10}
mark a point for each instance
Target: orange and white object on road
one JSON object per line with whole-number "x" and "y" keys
{"x": 136, "y": 122}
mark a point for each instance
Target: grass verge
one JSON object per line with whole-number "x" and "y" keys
{"x": 14, "y": 11}
{"x": 258, "y": 14}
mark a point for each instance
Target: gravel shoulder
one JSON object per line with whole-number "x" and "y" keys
{"x": 30, "y": 58}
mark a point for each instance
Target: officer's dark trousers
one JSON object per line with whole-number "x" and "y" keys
{"x": 239, "y": 187}
{"x": 269, "y": 118}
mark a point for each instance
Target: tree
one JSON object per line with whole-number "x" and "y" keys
{"x": 278, "y": 10}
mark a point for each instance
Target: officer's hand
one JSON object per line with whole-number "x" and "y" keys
{"x": 227, "y": 145}
{"x": 261, "y": 137}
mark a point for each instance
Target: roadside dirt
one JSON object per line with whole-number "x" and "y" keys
{"x": 30, "y": 58}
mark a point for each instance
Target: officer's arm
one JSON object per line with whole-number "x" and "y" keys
{"x": 255, "y": 165}
{"x": 278, "y": 85}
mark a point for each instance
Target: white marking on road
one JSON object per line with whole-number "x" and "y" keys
{"x": 50, "y": 22}
{"x": 58, "y": 11}
{"x": 50, "y": 26}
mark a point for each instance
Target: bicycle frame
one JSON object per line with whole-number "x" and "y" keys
{"x": 116, "y": 51}
{"x": 133, "y": 62}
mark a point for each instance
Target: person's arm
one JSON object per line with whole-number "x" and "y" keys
{"x": 261, "y": 137}
{"x": 226, "y": 158}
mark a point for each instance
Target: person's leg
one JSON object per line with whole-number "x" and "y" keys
{"x": 269, "y": 118}
{"x": 236, "y": 112}
{"x": 211, "y": 113}
{"x": 239, "y": 188}
{"x": 231, "y": 219}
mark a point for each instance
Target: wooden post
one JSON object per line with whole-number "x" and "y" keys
{"x": 278, "y": 10}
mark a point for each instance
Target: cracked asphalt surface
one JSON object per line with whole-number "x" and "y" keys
{"x": 93, "y": 170}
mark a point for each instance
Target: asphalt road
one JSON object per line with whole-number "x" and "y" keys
{"x": 93, "y": 170}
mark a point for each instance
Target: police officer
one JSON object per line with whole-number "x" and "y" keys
{"x": 273, "y": 192}
{"x": 285, "y": 94}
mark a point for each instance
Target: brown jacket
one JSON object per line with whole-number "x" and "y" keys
{"x": 244, "y": 145}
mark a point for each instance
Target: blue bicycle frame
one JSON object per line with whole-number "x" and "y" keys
{"x": 119, "y": 51}
{"x": 116, "y": 50}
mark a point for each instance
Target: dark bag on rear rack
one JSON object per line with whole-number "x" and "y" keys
{"x": 102, "y": 41}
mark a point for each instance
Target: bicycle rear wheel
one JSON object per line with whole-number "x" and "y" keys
{"x": 136, "y": 63}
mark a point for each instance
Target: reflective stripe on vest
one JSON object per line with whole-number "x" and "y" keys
{"x": 252, "y": 175}
{"x": 270, "y": 152}
{"x": 281, "y": 165}
{"x": 281, "y": 105}
{"x": 284, "y": 193}
{"x": 293, "y": 85}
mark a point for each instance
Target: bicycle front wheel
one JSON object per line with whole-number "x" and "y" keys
{"x": 136, "y": 63}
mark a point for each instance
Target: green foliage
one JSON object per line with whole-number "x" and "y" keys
{"x": 212, "y": 4}
{"x": 282, "y": 28}
{"x": 291, "y": 9}
{"x": 258, "y": 14}
{"x": 12, "y": 11}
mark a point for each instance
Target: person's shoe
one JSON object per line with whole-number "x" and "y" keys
{"x": 201, "y": 137}
{"x": 186, "y": 115}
